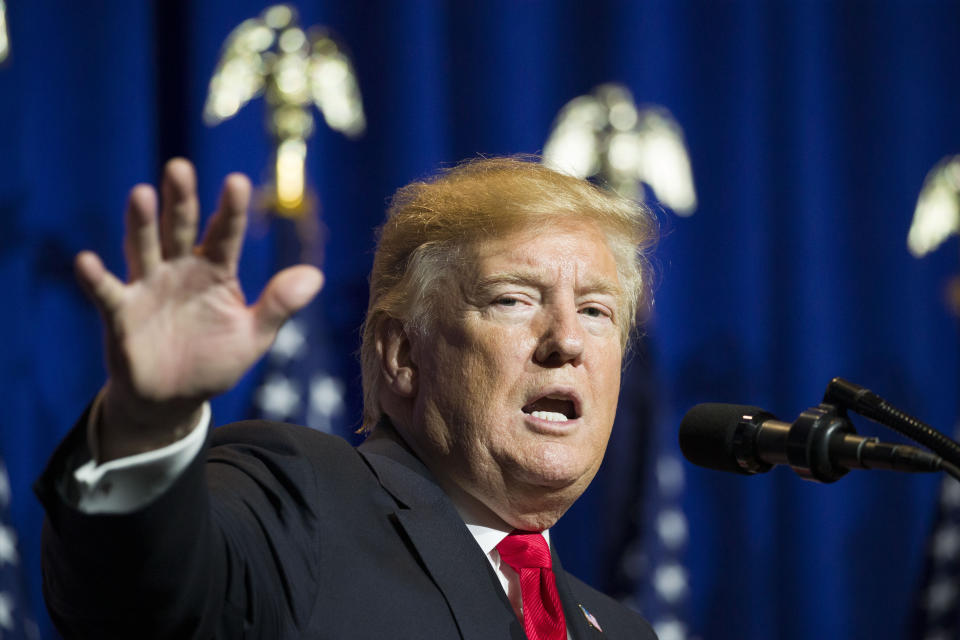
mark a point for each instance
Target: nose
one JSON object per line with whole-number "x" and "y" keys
{"x": 562, "y": 338}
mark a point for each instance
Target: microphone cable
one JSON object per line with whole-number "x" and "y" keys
{"x": 864, "y": 402}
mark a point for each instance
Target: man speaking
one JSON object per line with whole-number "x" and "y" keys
{"x": 502, "y": 298}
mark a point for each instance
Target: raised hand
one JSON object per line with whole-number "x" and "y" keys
{"x": 179, "y": 331}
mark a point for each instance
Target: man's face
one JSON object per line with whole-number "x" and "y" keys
{"x": 518, "y": 383}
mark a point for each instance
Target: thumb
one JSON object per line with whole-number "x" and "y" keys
{"x": 285, "y": 294}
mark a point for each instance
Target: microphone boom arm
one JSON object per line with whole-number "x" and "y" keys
{"x": 864, "y": 402}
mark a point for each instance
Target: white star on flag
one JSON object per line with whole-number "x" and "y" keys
{"x": 941, "y": 595}
{"x": 950, "y": 492}
{"x": 326, "y": 401}
{"x": 671, "y": 582}
{"x": 289, "y": 343}
{"x": 672, "y": 528}
{"x": 670, "y": 630}
{"x": 670, "y": 475}
{"x": 8, "y": 545}
{"x": 6, "y": 611}
{"x": 278, "y": 397}
{"x": 946, "y": 543}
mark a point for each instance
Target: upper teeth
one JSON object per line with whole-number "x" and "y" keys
{"x": 549, "y": 415}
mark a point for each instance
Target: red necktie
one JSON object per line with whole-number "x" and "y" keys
{"x": 528, "y": 554}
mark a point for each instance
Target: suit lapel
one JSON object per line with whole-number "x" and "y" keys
{"x": 449, "y": 553}
{"x": 577, "y": 625}
{"x": 464, "y": 575}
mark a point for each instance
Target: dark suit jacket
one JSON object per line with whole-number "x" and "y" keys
{"x": 284, "y": 532}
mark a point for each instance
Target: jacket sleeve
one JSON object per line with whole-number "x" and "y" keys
{"x": 224, "y": 552}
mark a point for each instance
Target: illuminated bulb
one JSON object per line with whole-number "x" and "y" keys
{"x": 623, "y": 116}
{"x": 290, "y": 168}
{"x": 279, "y": 16}
{"x": 291, "y": 82}
{"x": 935, "y": 220}
{"x": 260, "y": 38}
{"x": 625, "y": 151}
{"x": 292, "y": 40}
{"x": 250, "y": 37}
{"x": 226, "y": 105}
{"x": 937, "y": 214}
{"x": 667, "y": 168}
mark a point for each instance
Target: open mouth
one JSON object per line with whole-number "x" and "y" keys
{"x": 553, "y": 408}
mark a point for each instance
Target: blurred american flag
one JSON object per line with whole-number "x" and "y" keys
{"x": 302, "y": 381}
{"x": 937, "y": 606}
{"x": 16, "y": 615}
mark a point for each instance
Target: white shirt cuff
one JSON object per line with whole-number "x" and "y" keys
{"x": 126, "y": 484}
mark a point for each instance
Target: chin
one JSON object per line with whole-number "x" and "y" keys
{"x": 535, "y": 521}
{"x": 550, "y": 479}
{"x": 539, "y": 510}
{"x": 554, "y": 468}
{"x": 543, "y": 495}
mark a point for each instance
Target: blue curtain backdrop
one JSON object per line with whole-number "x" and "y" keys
{"x": 811, "y": 126}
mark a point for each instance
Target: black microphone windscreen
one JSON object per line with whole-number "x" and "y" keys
{"x": 706, "y": 434}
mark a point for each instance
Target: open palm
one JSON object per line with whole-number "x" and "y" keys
{"x": 179, "y": 331}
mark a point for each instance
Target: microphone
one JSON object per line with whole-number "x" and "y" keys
{"x": 821, "y": 445}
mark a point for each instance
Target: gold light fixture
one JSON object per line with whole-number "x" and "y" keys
{"x": 292, "y": 68}
{"x": 605, "y": 134}
{"x": 937, "y": 214}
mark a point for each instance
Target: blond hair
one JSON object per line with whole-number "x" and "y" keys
{"x": 431, "y": 224}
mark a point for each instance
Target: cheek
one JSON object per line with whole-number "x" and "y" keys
{"x": 462, "y": 376}
{"x": 609, "y": 365}
{"x": 606, "y": 381}
{"x": 613, "y": 387}
{"x": 492, "y": 354}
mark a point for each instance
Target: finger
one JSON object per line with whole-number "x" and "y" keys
{"x": 101, "y": 286}
{"x": 224, "y": 236}
{"x": 141, "y": 245}
{"x": 181, "y": 209}
{"x": 285, "y": 294}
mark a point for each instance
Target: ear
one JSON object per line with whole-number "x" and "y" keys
{"x": 396, "y": 358}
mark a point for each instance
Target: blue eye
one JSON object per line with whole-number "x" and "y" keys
{"x": 507, "y": 302}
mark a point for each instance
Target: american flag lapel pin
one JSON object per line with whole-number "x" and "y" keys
{"x": 592, "y": 621}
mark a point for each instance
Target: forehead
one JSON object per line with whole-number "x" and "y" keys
{"x": 574, "y": 248}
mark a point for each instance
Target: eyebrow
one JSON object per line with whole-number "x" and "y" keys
{"x": 530, "y": 279}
